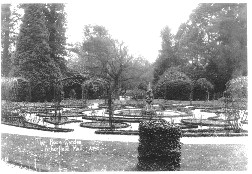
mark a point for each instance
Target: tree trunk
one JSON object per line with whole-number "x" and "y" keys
{"x": 110, "y": 108}
{"x": 83, "y": 94}
{"x": 191, "y": 95}
{"x": 115, "y": 88}
{"x": 207, "y": 95}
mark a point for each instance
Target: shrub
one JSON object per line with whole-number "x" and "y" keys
{"x": 159, "y": 146}
{"x": 173, "y": 85}
{"x": 202, "y": 89}
{"x": 174, "y": 90}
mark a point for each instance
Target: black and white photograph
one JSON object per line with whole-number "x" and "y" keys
{"x": 124, "y": 86}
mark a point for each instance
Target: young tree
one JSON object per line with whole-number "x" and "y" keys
{"x": 32, "y": 59}
{"x": 104, "y": 57}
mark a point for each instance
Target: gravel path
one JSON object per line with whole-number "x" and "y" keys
{"x": 88, "y": 134}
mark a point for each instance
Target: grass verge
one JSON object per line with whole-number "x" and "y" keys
{"x": 55, "y": 154}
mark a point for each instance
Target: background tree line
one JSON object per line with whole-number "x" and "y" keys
{"x": 211, "y": 47}
{"x": 40, "y": 52}
{"x": 39, "y": 47}
{"x": 196, "y": 63}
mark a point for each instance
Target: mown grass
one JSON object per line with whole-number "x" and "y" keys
{"x": 112, "y": 155}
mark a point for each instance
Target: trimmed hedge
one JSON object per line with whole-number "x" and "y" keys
{"x": 159, "y": 146}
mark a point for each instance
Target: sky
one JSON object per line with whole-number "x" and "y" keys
{"x": 137, "y": 23}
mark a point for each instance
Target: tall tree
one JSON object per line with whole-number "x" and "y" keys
{"x": 32, "y": 59}
{"x": 215, "y": 38}
{"x": 10, "y": 20}
{"x": 5, "y": 38}
{"x": 167, "y": 57}
{"x": 55, "y": 17}
{"x": 141, "y": 72}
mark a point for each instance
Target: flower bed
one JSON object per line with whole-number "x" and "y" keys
{"x": 62, "y": 121}
{"x": 118, "y": 132}
{"x": 62, "y": 115}
{"x": 116, "y": 119}
{"x": 204, "y": 122}
{"x": 103, "y": 125}
{"x": 20, "y": 122}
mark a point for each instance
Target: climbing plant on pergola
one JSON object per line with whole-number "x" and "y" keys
{"x": 107, "y": 88}
{"x": 84, "y": 80}
{"x": 236, "y": 96}
{"x": 10, "y": 88}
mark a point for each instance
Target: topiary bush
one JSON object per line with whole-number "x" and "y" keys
{"x": 159, "y": 146}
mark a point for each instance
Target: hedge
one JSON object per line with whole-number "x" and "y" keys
{"x": 159, "y": 146}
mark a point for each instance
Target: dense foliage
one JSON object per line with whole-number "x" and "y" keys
{"x": 236, "y": 98}
{"x": 5, "y": 38}
{"x": 173, "y": 85}
{"x": 202, "y": 89}
{"x": 167, "y": 57}
{"x": 212, "y": 44}
{"x": 104, "y": 57}
{"x": 15, "y": 89}
{"x": 31, "y": 59}
{"x": 55, "y": 18}
{"x": 159, "y": 146}
{"x": 238, "y": 87}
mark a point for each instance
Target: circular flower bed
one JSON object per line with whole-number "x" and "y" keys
{"x": 204, "y": 122}
{"x": 63, "y": 120}
{"x": 103, "y": 125}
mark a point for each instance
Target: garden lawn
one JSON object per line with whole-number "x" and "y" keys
{"x": 55, "y": 154}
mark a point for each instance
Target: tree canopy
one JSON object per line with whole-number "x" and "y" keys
{"x": 31, "y": 59}
{"x": 173, "y": 85}
{"x": 102, "y": 56}
{"x": 207, "y": 51}
{"x": 211, "y": 45}
{"x": 215, "y": 38}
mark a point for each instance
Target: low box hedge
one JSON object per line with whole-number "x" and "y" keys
{"x": 159, "y": 146}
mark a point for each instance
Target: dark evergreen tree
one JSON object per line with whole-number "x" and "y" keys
{"x": 32, "y": 59}
{"x": 56, "y": 25}
{"x": 5, "y": 39}
{"x": 167, "y": 57}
